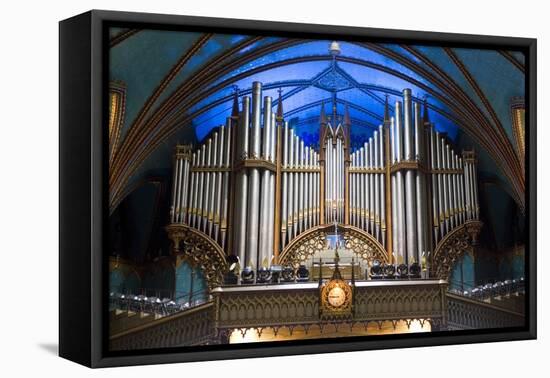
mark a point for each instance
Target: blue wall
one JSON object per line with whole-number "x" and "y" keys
{"x": 183, "y": 283}
{"x": 463, "y": 274}
{"x": 121, "y": 282}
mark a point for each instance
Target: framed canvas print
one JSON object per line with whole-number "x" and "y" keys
{"x": 233, "y": 188}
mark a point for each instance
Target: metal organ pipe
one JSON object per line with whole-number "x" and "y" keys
{"x": 474, "y": 179}
{"x": 394, "y": 191}
{"x": 213, "y": 187}
{"x": 382, "y": 201}
{"x": 253, "y": 219}
{"x": 353, "y": 207}
{"x": 291, "y": 191}
{"x": 370, "y": 177}
{"x": 193, "y": 190}
{"x": 402, "y": 247}
{"x": 376, "y": 207}
{"x": 421, "y": 200}
{"x": 295, "y": 215}
{"x": 200, "y": 188}
{"x": 175, "y": 191}
{"x": 195, "y": 203}
{"x": 271, "y": 208}
{"x": 364, "y": 184}
{"x": 225, "y": 185}
{"x": 307, "y": 211}
{"x": 444, "y": 189}
{"x": 284, "y": 196}
{"x": 241, "y": 197}
{"x": 317, "y": 189}
{"x": 461, "y": 190}
{"x": 218, "y": 184}
{"x": 435, "y": 190}
{"x": 206, "y": 187}
{"x": 450, "y": 196}
{"x": 410, "y": 188}
{"x": 180, "y": 189}
{"x": 455, "y": 190}
{"x": 303, "y": 186}
{"x": 265, "y": 180}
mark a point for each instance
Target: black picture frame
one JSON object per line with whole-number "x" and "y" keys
{"x": 83, "y": 189}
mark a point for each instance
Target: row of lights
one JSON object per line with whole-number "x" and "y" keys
{"x": 264, "y": 275}
{"x": 142, "y": 303}
{"x": 379, "y": 270}
{"x": 277, "y": 273}
{"x": 499, "y": 288}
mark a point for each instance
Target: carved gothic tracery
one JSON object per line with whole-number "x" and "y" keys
{"x": 363, "y": 245}
{"x": 199, "y": 250}
{"x": 451, "y": 248}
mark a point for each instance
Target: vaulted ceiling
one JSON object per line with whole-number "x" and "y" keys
{"x": 179, "y": 85}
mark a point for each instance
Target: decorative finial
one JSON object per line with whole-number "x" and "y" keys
{"x": 280, "y": 105}
{"x": 323, "y": 117}
{"x": 334, "y": 48}
{"x": 235, "y": 110}
{"x": 387, "y": 110}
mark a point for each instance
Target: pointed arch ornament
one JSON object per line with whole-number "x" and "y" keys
{"x": 363, "y": 245}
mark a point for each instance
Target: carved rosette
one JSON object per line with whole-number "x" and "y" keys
{"x": 199, "y": 250}
{"x": 455, "y": 244}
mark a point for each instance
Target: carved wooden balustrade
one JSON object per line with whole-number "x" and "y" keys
{"x": 297, "y": 305}
{"x": 465, "y": 313}
{"x": 191, "y": 327}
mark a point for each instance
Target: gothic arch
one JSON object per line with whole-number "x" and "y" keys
{"x": 364, "y": 245}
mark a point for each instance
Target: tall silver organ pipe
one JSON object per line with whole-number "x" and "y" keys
{"x": 216, "y": 200}
{"x": 291, "y": 191}
{"x": 435, "y": 184}
{"x": 400, "y": 226}
{"x": 394, "y": 191}
{"x": 253, "y": 218}
{"x": 241, "y": 185}
{"x": 284, "y": 184}
{"x": 382, "y": 201}
{"x": 238, "y": 162}
{"x": 265, "y": 181}
{"x": 410, "y": 188}
{"x": 295, "y": 215}
{"x": 421, "y": 190}
{"x": 273, "y": 144}
{"x": 369, "y": 155}
{"x": 376, "y": 206}
{"x": 301, "y": 198}
{"x": 225, "y": 183}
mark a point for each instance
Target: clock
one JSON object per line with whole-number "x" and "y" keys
{"x": 336, "y": 297}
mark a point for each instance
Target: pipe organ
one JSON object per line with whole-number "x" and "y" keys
{"x": 254, "y": 186}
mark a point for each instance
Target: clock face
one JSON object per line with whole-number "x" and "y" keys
{"x": 336, "y": 296}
